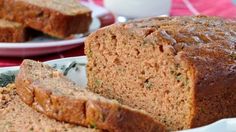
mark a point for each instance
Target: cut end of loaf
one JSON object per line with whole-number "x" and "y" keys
{"x": 120, "y": 68}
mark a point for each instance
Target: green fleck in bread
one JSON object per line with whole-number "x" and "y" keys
{"x": 52, "y": 94}
{"x": 181, "y": 70}
{"x": 58, "y": 18}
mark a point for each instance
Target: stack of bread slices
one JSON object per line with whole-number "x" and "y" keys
{"x": 21, "y": 19}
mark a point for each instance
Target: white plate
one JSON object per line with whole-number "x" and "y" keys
{"x": 45, "y": 44}
{"x": 78, "y": 75}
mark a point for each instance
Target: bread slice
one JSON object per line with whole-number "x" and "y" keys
{"x": 15, "y": 116}
{"x": 181, "y": 70}
{"x": 49, "y": 92}
{"x": 58, "y": 18}
{"x": 12, "y": 31}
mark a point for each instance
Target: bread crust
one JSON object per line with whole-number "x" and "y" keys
{"x": 214, "y": 83}
{"x": 48, "y": 20}
{"x": 87, "y": 111}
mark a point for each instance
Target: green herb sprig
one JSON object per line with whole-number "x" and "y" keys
{"x": 73, "y": 64}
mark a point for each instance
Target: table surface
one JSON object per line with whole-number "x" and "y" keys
{"x": 223, "y": 8}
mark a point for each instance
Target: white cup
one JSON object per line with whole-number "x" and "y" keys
{"x": 138, "y": 8}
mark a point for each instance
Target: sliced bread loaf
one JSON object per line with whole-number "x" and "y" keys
{"x": 12, "y": 31}
{"x": 182, "y": 70}
{"x": 49, "y": 92}
{"x": 16, "y": 116}
{"x": 59, "y": 18}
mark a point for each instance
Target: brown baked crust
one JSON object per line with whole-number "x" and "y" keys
{"x": 53, "y": 22}
{"x": 12, "y": 32}
{"x": 214, "y": 80}
{"x": 206, "y": 45}
{"x": 89, "y": 110}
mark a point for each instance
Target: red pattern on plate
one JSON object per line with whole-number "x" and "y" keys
{"x": 223, "y": 8}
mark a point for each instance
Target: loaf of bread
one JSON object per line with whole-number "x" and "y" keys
{"x": 58, "y": 18}
{"x": 16, "y": 116}
{"x": 181, "y": 70}
{"x": 12, "y": 31}
{"x": 52, "y": 94}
